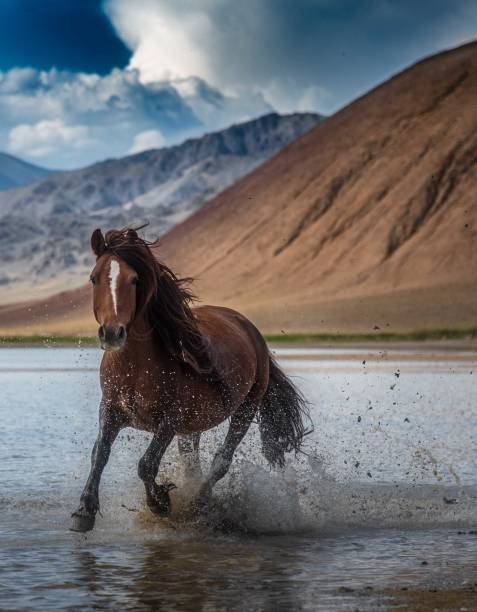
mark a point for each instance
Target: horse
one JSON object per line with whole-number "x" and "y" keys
{"x": 173, "y": 368}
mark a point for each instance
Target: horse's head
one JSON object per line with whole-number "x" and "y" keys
{"x": 132, "y": 286}
{"x": 114, "y": 294}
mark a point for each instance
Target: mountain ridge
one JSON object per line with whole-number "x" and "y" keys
{"x": 46, "y": 225}
{"x": 16, "y": 172}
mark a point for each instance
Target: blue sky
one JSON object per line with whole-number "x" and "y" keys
{"x": 82, "y": 80}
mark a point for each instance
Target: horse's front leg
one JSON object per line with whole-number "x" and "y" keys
{"x": 157, "y": 496}
{"x": 109, "y": 426}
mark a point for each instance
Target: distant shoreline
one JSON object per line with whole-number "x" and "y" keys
{"x": 304, "y": 339}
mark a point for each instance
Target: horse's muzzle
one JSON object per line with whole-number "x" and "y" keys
{"x": 112, "y": 337}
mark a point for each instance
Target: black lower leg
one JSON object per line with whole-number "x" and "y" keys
{"x": 109, "y": 427}
{"x": 239, "y": 425}
{"x": 157, "y": 496}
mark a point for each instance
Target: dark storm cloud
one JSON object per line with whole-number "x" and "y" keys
{"x": 66, "y": 34}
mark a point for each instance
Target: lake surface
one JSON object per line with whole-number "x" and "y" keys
{"x": 384, "y": 497}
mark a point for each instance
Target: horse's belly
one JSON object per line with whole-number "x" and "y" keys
{"x": 198, "y": 423}
{"x": 202, "y": 411}
{"x": 191, "y": 419}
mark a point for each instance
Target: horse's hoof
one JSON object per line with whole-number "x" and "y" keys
{"x": 82, "y": 522}
{"x": 160, "y": 510}
{"x": 160, "y": 502}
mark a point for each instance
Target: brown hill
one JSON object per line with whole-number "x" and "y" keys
{"x": 369, "y": 219}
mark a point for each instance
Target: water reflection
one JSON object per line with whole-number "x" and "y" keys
{"x": 192, "y": 576}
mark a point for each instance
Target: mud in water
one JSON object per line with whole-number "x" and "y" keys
{"x": 380, "y": 511}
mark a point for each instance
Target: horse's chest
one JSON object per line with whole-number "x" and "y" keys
{"x": 143, "y": 406}
{"x": 131, "y": 402}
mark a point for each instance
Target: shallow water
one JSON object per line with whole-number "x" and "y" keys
{"x": 381, "y": 498}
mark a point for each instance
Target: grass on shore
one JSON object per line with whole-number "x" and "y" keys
{"x": 327, "y": 338}
{"x": 377, "y": 336}
{"x": 48, "y": 340}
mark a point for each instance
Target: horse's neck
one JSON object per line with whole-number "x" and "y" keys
{"x": 140, "y": 332}
{"x": 141, "y": 345}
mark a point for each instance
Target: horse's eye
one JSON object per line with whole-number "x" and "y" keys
{"x": 134, "y": 281}
{"x": 93, "y": 280}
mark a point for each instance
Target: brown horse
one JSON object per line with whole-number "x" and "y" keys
{"x": 171, "y": 369}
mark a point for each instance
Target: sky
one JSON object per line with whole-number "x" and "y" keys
{"x": 81, "y": 81}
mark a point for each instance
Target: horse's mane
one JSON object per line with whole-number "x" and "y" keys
{"x": 164, "y": 298}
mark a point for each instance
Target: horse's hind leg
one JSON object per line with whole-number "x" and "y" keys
{"x": 239, "y": 425}
{"x": 189, "y": 452}
{"x": 157, "y": 496}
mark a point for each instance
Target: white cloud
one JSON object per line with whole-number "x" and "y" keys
{"x": 165, "y": 39}
{"x": 287, "y": 96}
{"x": 149, "y": 139}
{"x": 313, "y": 97}
{"x": 213, "y": 109}
{"x": 242, "y": 48}
{"x": 46, "y": 114}
{"x": 46, "y": 137}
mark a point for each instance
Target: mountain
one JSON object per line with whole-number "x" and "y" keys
{"x": 367, "y": 222}
{"x": 45, "y": 226}
{"x": 15, "y": 172}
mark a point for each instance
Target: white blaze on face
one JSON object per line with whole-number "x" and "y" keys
{"x": 113, "y": 282}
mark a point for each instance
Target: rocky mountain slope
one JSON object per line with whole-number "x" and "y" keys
{"x": 368, "y": 222}
{"x": 45, "y": 227}
{"x": 15, "y": 172}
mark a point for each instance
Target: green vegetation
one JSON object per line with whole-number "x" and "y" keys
{"x": 48, "y": 341}
{"x": 377, "y": 337}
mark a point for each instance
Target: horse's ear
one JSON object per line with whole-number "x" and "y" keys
{"x": 97, "y": 242}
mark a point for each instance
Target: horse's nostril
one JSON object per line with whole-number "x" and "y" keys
{"x": 112, "y": 336}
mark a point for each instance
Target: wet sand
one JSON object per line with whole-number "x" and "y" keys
{"x": 426, "y": 599}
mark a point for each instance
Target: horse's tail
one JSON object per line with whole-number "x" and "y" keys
{"x": 281, "y": 417}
